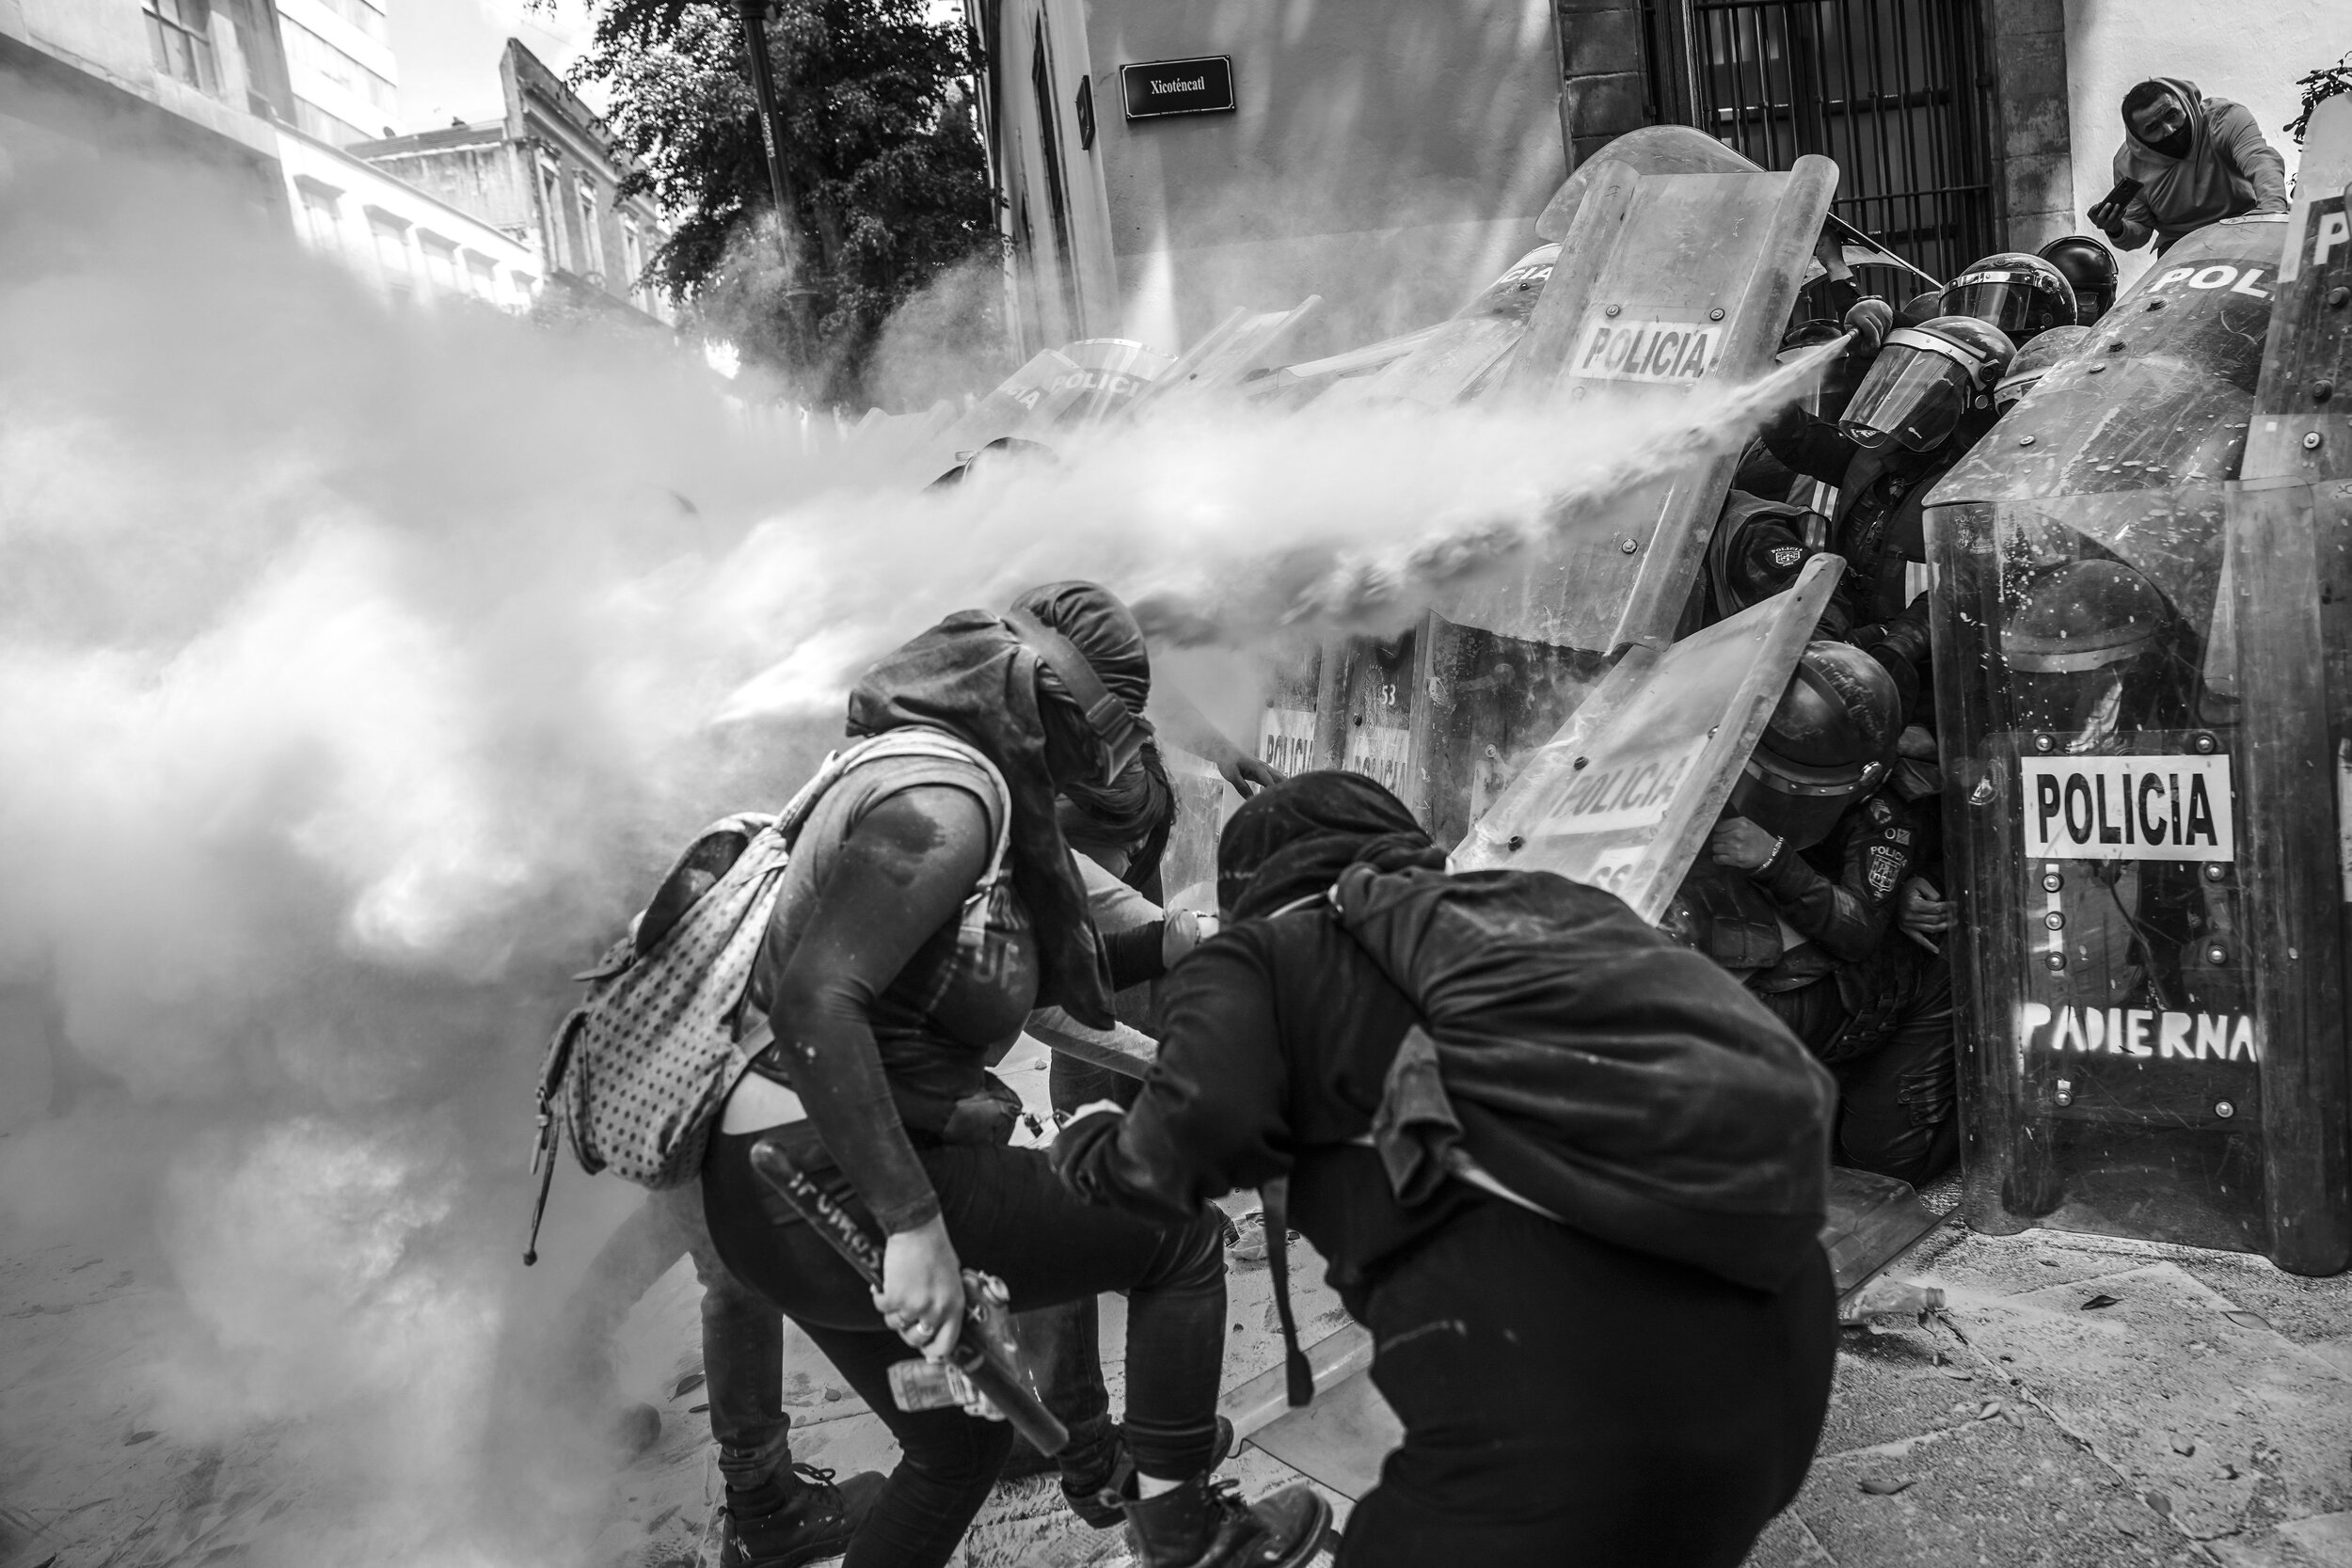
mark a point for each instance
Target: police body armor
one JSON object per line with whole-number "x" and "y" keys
{"x": 2090, "y": 693}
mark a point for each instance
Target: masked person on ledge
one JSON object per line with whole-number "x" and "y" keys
{"x": 1800, "y": 894}
{"x": 896, "y": 968}
{"x": 2187, "y": 161}
{"x": 1570, "y": 1177}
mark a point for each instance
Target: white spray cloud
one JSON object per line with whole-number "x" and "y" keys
{"x": 360, "y": 665}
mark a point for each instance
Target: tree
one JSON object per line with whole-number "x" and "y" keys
{"x": 886, "y": 167}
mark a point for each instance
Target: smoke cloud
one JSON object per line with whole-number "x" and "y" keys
{"x": 361, "y": 665}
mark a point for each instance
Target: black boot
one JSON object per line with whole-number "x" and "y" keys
{"x": 795, "y": 1518}
{"x": 1098, "y": 1492}
{"x": 1204, "y": 1524}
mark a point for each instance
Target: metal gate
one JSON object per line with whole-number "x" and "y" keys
{"x": 1895, "y": 91}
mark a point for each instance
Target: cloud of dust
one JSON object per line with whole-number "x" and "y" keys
{"x": 360, "y": 667}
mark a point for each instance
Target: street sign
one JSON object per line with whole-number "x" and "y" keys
{"x": 1201, "y": 86}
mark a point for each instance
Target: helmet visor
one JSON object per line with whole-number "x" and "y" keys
{"x": 2008, "y": 300}
{"x": 1910, "y": 396}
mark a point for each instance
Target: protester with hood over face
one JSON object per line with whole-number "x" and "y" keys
{"x": 895, "y": 971}
{"x": 2196, "y": 160}
{"x": 1635, "y": 1375}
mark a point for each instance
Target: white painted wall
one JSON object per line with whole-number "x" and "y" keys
{"x": 351, "y": 239}
{"x": 2250, "y": 51}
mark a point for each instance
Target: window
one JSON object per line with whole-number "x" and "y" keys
{"x": 633, "y": 258}
{"x": 388, "y": 232}
{"x": 364, "y": 16}
{"x": 591, "y": 237}
{"x": 322, "y": 214}
{"x": 441, "y": 264}
{"x": 308, "y": 51}
{"x": 482, "y": 276}
{"x": 555, "y": 253}
{"x": 180, "y": 32}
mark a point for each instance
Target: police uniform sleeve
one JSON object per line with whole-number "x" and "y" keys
{"x": 1211, "y": 1116}
{"x": 1848, "y": 916}
{"x": 1815, "y": 448}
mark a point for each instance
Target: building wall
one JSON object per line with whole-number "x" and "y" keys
{"x": 581, "y": 222}
{"x": 2248, "y": 50}
{"x": 405, "y": 243}
{"x": 1387, "y": 154}
{"x": 344, "y": 78}
{"x": 81, "y": 75}
{"x": 547, "y": 176}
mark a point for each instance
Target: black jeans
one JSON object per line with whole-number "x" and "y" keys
{"x": 1569, "y": 1401}
{"x": 1899, "y": 1086}
{"x": 1899, "y": 1101}
{"x": 1008, "y": 1215}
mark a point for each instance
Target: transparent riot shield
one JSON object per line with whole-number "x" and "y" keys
{"x": 1462, "y": 355}
{"x": 1664, "y": 282}
{"x": 1021, "y": 404}
{"x": 2089, "y": 705}
{"x": 1703, "y": 268}
{"x": 2290, "y": 540}
{"x": 1625, "y": 794}
{"x": 1107, "y": 375}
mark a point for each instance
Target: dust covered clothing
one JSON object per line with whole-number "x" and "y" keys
{"x": 2226, "y": 171}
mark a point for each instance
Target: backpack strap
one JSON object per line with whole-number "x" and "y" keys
{"x": 913, "y": 741}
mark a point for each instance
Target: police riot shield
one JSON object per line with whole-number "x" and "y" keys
{"x": 1624, "y": 795}
{"x": 1700, "y": 269}
{"x": 2090, "y": 698}
{"x": 1664, "y": 282}
{"x": 2290, "y": 542}
{"x": 1107, "y": 375}
{"x": 1462, "y": 354}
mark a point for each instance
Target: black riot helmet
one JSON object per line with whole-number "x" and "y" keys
{"x": 1924, "y": 380}
{"x": 2046, "y": 350}
{"x": 1924, "y": 306}
{"x": 1827, "y": 745}
{"x": 2021, "y": 295}
{"x": 2089, "y": 267}
{"x": 999, "y": 450}
{"x": 2073, "y": 635}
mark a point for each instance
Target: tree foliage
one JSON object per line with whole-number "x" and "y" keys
{"x": 885, "y": 170}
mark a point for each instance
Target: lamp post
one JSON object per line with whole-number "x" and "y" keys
{"x": 763, "y": 73}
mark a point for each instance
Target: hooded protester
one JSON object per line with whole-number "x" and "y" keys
{"x": 931, "y": 903}
{"x": 1579, "y": 1222}
{"x": 2186, "y": 161}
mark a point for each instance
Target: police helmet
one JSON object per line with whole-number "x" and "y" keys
{"x": 2070, "y": 634}
{"x": 1924, "y": 380}
{"x": 989, "y": 456}
{"x": 1828, "y": 744}
{"x": 2089, "y": 266}
{"x": 2046, "y": 350}
{"x": 2021, "y": 295}
{"x": 1924, "y": 306}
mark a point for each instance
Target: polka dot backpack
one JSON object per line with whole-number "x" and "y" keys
{"x": 637, "y": 1075}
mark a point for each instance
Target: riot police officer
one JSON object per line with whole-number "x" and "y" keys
{"x": 1928, "y": 396}
{"x": 2046, "y": 350}
{"x": 2017, "y": 293}
{"x": 1801, "y": 889}
{"x": 2089, "y": 267}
